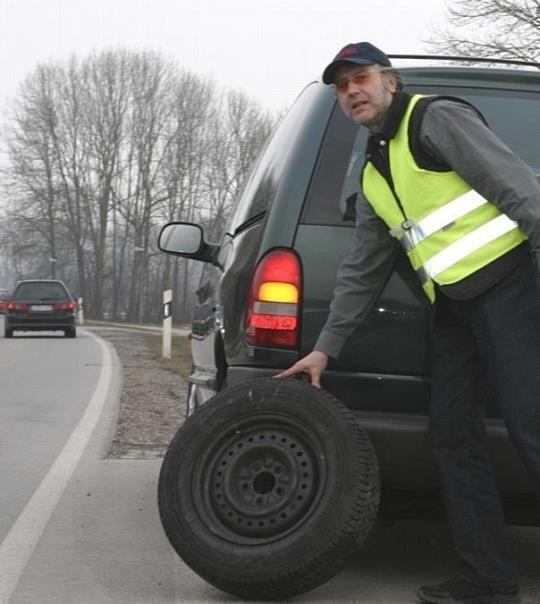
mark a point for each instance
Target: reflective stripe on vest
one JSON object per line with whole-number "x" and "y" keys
{"x": 468, "y": 244}
{"x": 411, "y": 234}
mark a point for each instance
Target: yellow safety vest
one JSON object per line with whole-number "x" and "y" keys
{"x": 449, "y": 231}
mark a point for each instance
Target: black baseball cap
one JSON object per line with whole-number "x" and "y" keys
{"x": 361, "y": 53}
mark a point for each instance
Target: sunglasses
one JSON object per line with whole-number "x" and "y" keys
{"x": 357, "y": 77}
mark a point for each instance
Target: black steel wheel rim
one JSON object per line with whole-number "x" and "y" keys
{"x": 259, "y": 480}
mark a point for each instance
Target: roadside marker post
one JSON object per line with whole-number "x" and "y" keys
{"x": 80, "y": 311}
{"x": 167, "y": 323}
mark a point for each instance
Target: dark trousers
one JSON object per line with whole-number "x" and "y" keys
{"x": 490, "y": 343}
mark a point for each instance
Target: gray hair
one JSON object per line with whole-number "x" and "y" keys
{"x": 395, "y": 74}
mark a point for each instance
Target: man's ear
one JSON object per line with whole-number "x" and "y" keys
{"x": 392, "y": 82}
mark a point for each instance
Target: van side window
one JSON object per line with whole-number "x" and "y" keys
{"x": 335, "y": 185}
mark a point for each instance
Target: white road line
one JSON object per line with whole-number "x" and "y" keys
{"x": 20, "y": 542}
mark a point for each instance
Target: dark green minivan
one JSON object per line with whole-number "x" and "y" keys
{"x": 267, "y": 285}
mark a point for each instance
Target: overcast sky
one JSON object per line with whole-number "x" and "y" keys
{"x": 267, "y": 48}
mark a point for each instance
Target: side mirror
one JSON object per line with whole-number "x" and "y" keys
{"x": 187, "y": 239}
{"x": 181, "y": 238}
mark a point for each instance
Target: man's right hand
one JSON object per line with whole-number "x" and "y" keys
{"x": 313, "y": 365}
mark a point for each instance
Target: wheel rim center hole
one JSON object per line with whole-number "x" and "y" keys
{"x": 264, "y": 483}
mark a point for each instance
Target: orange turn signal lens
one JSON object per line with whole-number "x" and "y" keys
{"x": 275, "y": 291}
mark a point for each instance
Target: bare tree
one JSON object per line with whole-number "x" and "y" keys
{"x": 508, "y": 29}
{"x": 105, "y": 150}
{"x": 240, "y": 130}
{"x": 153, "y": 85}
{"x": 31, "y": 146}
{"x": 182, "y": 173}
{"x": 107, "y": 91}
{"x": 71, "y": 153}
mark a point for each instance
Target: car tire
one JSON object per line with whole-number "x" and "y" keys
{"x": 70, "y": 332}
{"x": 8, "y": 332}
{"x": 266, "y": 490}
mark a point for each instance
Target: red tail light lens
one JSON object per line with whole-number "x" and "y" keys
{"x": 274, "y": 302}
{"x": 64, "y": 306}
{"x": 11, "y": 306}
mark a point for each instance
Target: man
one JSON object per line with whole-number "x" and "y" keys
{"x": 467, "y": 211}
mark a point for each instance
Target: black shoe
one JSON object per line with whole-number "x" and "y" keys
{"x": 459, "y": 591}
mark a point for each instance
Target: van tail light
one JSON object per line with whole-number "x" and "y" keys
{"x": 11, "y": 306}
{"x": 273, "y": 312}
{"x": 64, "y": 306}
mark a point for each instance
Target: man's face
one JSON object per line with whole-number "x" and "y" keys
{"x": 364, "y": 92}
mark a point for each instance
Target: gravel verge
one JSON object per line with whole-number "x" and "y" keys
{"x": 152, "y": 400}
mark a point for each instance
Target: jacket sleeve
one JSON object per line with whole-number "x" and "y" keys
{"x": 454, "y": 133}
{"x": 360, "y": 278}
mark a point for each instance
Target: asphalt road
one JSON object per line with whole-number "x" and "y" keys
{"x": 46, "y": 383}
{"x": 78, "y": 528}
